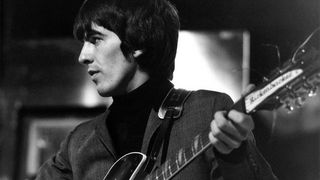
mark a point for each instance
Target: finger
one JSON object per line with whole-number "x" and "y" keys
{"x": 220, "y": 146}
{"x": 242, "y": 121}
{"x": 228, "y": 128}
{"x": 223, "y": 137}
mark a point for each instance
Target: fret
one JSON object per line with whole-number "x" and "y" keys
{"x": 164, "y": 174}
{"x": 167, "y": 169}
{"x": 195, "y": 146}
{"x": 184, "y": 156}
{"x": 200, "y": 141}
{"x": 175, "y": 166}
{"x": 193, "y": 150}
{"x": 205, "y": 141}
{"x": 177, "y": 163}
{"x": 181, "y": 157}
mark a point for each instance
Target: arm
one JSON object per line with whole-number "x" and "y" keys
{"x": 234, "y": 146}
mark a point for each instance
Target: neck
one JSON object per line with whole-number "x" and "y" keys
{"x": 139, "y": 78}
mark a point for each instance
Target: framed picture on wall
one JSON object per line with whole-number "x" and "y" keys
{"x": 41, "y": 131}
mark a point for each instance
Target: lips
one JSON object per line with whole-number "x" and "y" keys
{"x": 92, "y": 72}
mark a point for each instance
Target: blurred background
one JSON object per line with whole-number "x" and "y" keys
{"x": 44, "y": 92}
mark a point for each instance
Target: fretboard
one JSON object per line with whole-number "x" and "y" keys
{"x": 184, "y": 156}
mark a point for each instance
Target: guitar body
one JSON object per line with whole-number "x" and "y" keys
{"x": 127, "y": 167}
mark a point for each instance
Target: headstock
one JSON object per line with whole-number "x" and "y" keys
{"x": 291, "y": 84}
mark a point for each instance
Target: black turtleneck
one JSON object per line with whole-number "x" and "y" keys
{"x": 129, "y": 114}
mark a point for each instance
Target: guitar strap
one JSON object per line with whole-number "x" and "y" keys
{"x": 170, "y": 109}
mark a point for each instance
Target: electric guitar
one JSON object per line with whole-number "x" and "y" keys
{"x": 287, "y": 86}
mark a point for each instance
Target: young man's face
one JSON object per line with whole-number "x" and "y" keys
{"x": 109, "y": 69}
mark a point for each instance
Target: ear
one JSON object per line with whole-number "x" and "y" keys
{"x": 137, "y": 53}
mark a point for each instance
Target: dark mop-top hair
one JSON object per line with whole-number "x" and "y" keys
{"x": 148, "y": 25}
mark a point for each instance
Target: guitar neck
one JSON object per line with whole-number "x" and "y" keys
{"x": 184, "y": 156}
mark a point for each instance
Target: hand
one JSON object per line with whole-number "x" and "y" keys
{"x": 228, "y": 131}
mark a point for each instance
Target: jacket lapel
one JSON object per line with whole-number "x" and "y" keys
{"x": 103, "y": 134}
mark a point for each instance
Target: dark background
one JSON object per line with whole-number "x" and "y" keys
{"x": 37, "y": 53}
{"x": 281, "y": 23}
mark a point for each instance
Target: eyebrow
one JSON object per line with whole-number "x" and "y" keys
{"x": 92, "y": 32}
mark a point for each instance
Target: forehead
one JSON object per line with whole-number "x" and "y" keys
{"x": 96, "y": 30}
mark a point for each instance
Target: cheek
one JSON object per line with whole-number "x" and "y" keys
{"x": 115, "y": 65}
{"x": 113, "y": 52}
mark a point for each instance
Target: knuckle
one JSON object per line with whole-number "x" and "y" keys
{"x": 215, "y": 129}
{"x": 217, "y": 132}
{"x": 212, "y": 124}
{"x": 222, "y": 124}
{"x": 212, "y": 139}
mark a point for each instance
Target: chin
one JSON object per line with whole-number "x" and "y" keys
{"x": 105, "y": 94}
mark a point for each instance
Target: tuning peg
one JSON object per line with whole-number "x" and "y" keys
{"x": 312, "y": 91}
{"x": 289, "y": 107}
{"x": 299, "y": 102}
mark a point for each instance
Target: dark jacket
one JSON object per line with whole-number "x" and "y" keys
{"x": 87, "y": 152}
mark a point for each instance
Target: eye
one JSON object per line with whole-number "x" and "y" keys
{"x": 94, "y": 39}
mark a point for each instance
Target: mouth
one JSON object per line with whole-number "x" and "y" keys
{"x": 92, "y": 72}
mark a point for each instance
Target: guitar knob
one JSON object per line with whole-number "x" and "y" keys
{"x": 312, "y": 91}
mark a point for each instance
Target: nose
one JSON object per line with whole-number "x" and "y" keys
{"x": 86, "y": 54}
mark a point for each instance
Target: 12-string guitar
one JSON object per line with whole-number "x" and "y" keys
{"x": 287, "y": 86}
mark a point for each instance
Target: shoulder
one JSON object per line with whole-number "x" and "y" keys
{"x": 201, "y": 106}
{"x": 212, "y": 98}
{"x": 86, "y": 129}
{"x": 91, "y": 124}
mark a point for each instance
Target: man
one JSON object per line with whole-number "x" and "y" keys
{"x": 129, "y": 48}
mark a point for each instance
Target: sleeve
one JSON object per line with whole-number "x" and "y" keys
{"x": 58, "y": 166}
{"x": 243, "y": 163}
